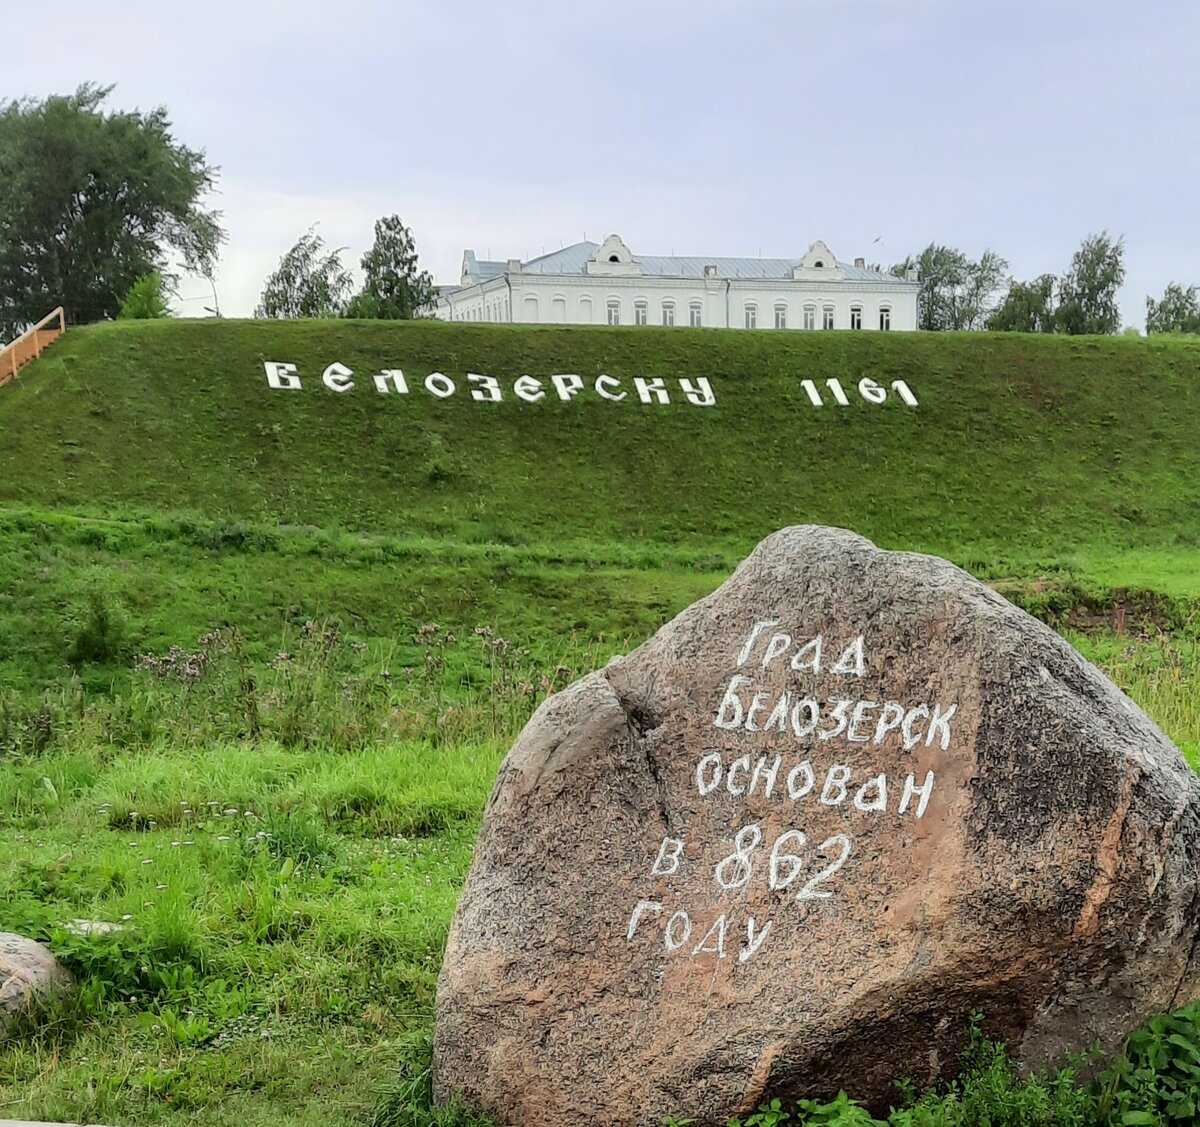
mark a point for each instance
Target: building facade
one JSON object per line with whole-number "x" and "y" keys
{"x": 606, "y": 284}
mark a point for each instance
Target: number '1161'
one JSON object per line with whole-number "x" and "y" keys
{"x": 867, "y": 388}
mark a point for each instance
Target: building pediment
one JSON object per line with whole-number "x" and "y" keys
{"x": 614, "y": 257}
{"x": 818, "y": 264}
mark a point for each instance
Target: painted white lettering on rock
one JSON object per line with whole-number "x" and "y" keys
{"x": 642, "y": 907}
{"x": 709, "y": 772}
{"x": 730, "y": 714}
{"x": 871, "y": 797}
{"x": 921, "y": 793}
{"x": 714, "y": 939}
{"x": 800, "y": 780}
{"x": 736, "y": 768}
{"x": 753, "y": 942}
{"x": 940, "y": 725}
{"x": 755, "y": 630}
{"x": 853, "y": 662}
{"x": 679, "y": 929}
{"x": 779, "y": 644}
{"x": 668, "y": 855}
{"x": 768, "y": 774}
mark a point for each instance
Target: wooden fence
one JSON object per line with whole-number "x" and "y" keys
{"x": 30, "y": 345}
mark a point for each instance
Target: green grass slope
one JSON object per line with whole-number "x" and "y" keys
{"x": 281, "y": 810}
{"x": 1029, "y": 443}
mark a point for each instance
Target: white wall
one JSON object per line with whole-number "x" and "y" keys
{"x": 584, "y": 300}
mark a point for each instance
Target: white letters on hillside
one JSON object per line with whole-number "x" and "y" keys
{"x": 482, "y": 388}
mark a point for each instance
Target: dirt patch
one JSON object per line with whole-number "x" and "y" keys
{"x": 1063, "y": 603}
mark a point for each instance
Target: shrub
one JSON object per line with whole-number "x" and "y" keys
{"x": 146, "y": 299}
{"x": 101, "y": 633}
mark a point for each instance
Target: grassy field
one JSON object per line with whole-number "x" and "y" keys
{"x": 283, "y": 843}
{"x": 1019, "y": 445}
{"x": 261, "y": 651}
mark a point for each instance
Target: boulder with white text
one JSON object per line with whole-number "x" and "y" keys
{"x": 791, "y": 843}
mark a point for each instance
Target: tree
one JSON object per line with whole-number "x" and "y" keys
{"x": 91, "y": 201}
{"x": 1028, "y": 307}
{"x": 393, "y": 288}
{"x": 1177, "y": 312}
{"x": 956, "y": 293}
{"x": 309, "y": 282}
{"x": 1087, "y": 293}
{"x": 146, "y": 299}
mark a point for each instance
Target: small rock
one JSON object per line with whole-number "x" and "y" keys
{"x": 92, "y": 927}
{"x": 28, "y": 973}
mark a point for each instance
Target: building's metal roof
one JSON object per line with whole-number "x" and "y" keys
{"x": 574, "y": 259}
{"x": 569, "y": 260}
{"x": 480, "y": 270}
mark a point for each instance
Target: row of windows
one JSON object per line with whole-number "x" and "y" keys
{"x": 498, "y": 311}
{"x": 490, "y": 311}
{"x": 641, "y": 313}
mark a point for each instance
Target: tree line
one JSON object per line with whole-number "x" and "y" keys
{"x": 95, "y": 204}
{"x": 960, "y": 293}
{"x": 312, "y": 282}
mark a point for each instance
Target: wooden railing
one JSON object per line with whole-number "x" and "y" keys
{"x": 31, "y": 344}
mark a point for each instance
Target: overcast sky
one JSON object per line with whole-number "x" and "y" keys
{"x": 690, "y": 127}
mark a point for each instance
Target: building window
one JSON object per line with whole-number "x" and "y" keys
{"x": 752, "y": 316}
{"x": 614, "y": 311}
{"x": 694, "y": 315}
{"x": 810, "y": 316}
{"x": 585, "y": 310}
{"x": 558, "y": 310}
{"x": 641, "y": 312}
{"x": 668, "y": 310}
{"x": 856, "y": 316}
{"x": 885, "y": 318}
{"x": 827, "y": 317}
{"x": 781, "y": 316}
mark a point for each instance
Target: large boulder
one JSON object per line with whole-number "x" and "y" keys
{"x": 29, "y": 974}
{"x": 792, "y": 842}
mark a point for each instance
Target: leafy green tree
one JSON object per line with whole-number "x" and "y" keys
{"x": 92, "y": 200}
{"x": 1028, "y": 307}
{"x": 146, "y": 299}
{"x": 956, "y": 292}
{"x": 1177, "y": 312}
{"x": 1087, "y": 293}
{"x": 393, "y": 287}
{"x": 310, "y": 282}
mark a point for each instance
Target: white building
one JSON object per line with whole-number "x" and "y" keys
{"x": 598, "y": 284}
